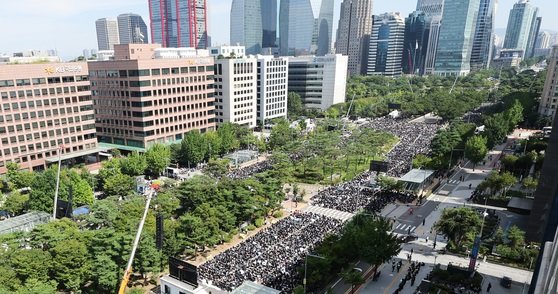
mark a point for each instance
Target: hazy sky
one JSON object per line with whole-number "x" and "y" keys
{"x": 69, "y": 25}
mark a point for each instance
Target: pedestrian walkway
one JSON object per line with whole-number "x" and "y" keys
{"x": 336, "y": 214}
{"x": 402, "y": 228}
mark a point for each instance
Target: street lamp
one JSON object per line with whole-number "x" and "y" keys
{"x": 306, "y": 267}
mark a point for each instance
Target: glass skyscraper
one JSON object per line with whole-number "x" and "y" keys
{"x": 353, "y": 33}
{"x": 246, "y": 25}
{"x": 179, "y": 23}
{"x": 433, "y": 10}
{"x": 305, "y": 26}
{"x": 269, "y": 23}
{"x": 417, "y": 32}
{"x": 132, "y": 29}
{"x": 482, "y": 42}
{"x": 521, "y": 23}
{"x": 455, "y": 42}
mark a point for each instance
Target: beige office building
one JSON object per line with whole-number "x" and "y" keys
{"x": 45, "y": 106}
{"x": 148, "y": 94}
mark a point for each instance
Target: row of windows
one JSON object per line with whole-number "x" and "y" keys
{"x": 42, "y": 92}
{"x": 147, "y": 83}
{"x": 48, "y": 113}
{"x": 45, "y": 102}
{"x": 53, "y": 143}
{"x": 149, "y": 113}
{"x": 32, "y": 157}
{"x": 42, "y": 81}
{"x": 147, "y": 72}
{"x": 166, "y": 130}
{"x": 37, "y": 126}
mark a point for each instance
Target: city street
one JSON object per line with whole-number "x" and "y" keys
{"x": 454, "y": 192}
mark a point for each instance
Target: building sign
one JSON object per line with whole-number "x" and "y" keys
{"x": 63, "y": 69}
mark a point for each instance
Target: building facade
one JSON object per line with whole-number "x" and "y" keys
{"x": 521, "y": 23}
{"x": 455, "y": 42}
{"x": 132, "y": 29}
{"x": 272, "y": 84}
{"x": 415, "y": 45}
{"x": 353, "y": 33}
{"x": 269, "y": 23}
{"x": 546, "y": 279}
{"x": 386, "y": 45}
{"x": 148, "y": 95}
{"x": 320, "y": 81}
{"x": 227, "y": 51}
{"x": 305, "y": 26}
{"x": 543, "y": 40}
{"x": 533, "y": 37}
{"x": 107, "y": 33}
{"x": 246, "y": 25}
{"x": 46, "y": 109}
{"x": 431, "y": 7}
{"x": 236, "y": 90}
{"x": 179, "y": 23}
{"x": 482, "y": 42}
{"x": 549, "y": 99}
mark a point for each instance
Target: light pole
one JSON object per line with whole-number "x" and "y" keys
{"x": 61, "y": 148}
{"x": 306, "y": 267}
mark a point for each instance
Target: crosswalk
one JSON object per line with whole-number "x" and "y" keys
{"x": 340, "y": 215}
{"x": 404, "y": 228}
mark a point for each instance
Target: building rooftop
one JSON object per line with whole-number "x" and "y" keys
{"x": 416, "y": 175}
{"x": 24, "y": 222}
{"x": 249, "y": 287}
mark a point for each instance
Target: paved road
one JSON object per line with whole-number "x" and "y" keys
{"x": 454, "y": 192}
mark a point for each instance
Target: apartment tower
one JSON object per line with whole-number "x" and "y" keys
{"x": 521, "y": 26}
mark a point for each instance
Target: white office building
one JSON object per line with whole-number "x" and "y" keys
{"x": 236, "y": 90}
{"x": 107, "y": 33}
{"x": 272, "y": 87}
{"x": 320, "y": 81}
{"x": 227, "y": 51}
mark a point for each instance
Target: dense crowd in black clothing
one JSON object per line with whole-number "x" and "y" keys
{"x": 248, "y": 171}
{"x": 271, "y": 256}
{"x": 414, "y": 138}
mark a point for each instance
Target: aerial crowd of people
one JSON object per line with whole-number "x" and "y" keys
{"x": 272, "y": 255}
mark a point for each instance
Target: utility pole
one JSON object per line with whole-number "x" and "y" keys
{"x": 60, "y": 149}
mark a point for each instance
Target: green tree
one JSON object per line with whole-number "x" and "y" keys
{"x": 41, "y": 197}
{"x": 455, "y": 223}
{"x": 17, "y": 178}
{"x": 213, "y": 144}
{"x": 476, "y": 149}
{"x": 32, "y": 264}
{"x": 227, "y": 136}
{"x": 353, "y": 277}
{"x": 217, "y": 168}
{"x": 36, "y": 286}
{"x": 49, "y": 235}
{"x": 516, "y": 237}
{"x": 148, "y": 258}
{"x": 294, "y": 105}
{"x": 119, "y": 185}
{"x": 70, "y": 265}
{"x": 9, "y": 282}
{"x": 158, "y": 158}
{"x": 134, "y": 164}
{"x": 15, "y": 203}
{"x": 193, "y": 148}
{"x": 281, "y": 134}
{"x": 108, "y": 169}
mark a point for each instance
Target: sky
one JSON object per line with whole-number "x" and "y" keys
{"x": 69, "y": 25}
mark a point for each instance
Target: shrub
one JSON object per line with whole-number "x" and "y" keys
{"x": 278, "y": 214}
{"x": 259, "y": 222}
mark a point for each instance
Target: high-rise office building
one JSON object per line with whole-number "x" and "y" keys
{"x": 386, "y": 45}
{"x": 533, "y": 37}
{"x": 272, "y": 87}
{"x": 132, "y": 29}
{"x": 353, "y": 33}
{"x": 455, "y": 42}
{"x": 305, "y": 26}
{"x": 246, "y": 25}
{"x": 107, "y": 33}
{"x": 47, "y": 106}
{"x": 179, "y": 23}
{"x": 236, "y": 90}
{"x": 415, "y": 46}
{"x": 148, "y": 94}
{"x": 431, "y": 7}
{"x": 269, "y": 23}
{"x": 433, "y": 10}
{"x": 521, "y": 23}
{"x": 482, "y": 41}
{"x": 320, "y": 81}
{"x": 543, "y": 40}
{"x": 549, "y": 99}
